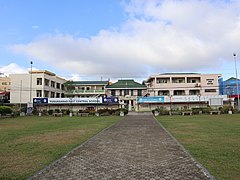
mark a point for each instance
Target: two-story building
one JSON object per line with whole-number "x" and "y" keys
{"x": 182, "y": 91}
{"x": 82, "y": 89}
{"x": 127, "y": 91}
{"x": 36, "y": 84}
{"x": 179, "y": 84}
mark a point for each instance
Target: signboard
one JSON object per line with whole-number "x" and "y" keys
{"x": 110, "y": 100}
{"x": 29, "y": 107}
{"x": 74, "y": 100}
{"x": 181, "y": 99}
{"x": 151, "y": 99}
{"x": 40, "y": 100}
{"x": 216, "y": 102}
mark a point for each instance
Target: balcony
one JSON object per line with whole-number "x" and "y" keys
{"x": 85, "y": 92}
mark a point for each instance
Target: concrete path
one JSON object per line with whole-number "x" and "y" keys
{"x": 135, "y": 148}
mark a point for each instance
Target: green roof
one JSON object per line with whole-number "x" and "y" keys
{"x": 89, "y": 82}
{"x": 126, "y": 84}
{"x": 180, "y": 73}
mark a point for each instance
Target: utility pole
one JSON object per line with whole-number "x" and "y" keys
{"x": 235, "y": 60}
{"x": 31, "y": 82}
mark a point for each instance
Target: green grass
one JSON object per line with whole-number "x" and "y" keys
{"x": 27, "y": 144}
{"x": 214, "y": 140}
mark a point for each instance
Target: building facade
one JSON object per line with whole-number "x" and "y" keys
{"x": 5, "y": 84}
{"x": 229, "y": 87}
{"x": 36, "y": 84}
{"x": 78, "y": 89}
{"x": 5, "y": 90}
{"x": 180, "y": 84}
{"x": 127, "y": 91}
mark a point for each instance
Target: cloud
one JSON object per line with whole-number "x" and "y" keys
{"x": 35, "y": 27}
{"x": 13, "y": 68}
{"x": 158, "y": 36}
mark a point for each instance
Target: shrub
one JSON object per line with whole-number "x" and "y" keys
{"x": 57, "y": 111}
{"x": 225, "y": 109}
{"x": 206, "y": 110}
{"x": 50, "y": 112}
{"x": 35, "y": 111}
{"x": 5, "y": 110}
{"x": 161, "y": 110}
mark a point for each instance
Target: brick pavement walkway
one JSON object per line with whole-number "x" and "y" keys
{"x": 135, "y": 148}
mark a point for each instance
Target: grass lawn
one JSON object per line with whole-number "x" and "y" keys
{"x": 214, "y": 140}
{"x": 27, "y": 144}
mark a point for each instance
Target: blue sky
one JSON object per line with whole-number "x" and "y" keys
{"x": 91, "y": 39}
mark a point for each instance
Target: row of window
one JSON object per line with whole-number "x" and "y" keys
{"x": 126, "y": 92}
{"x": 183, "y": 92}
{"x": 182, "y": 80}
{"x": 6, "y": 83}
{"x": 52, "y": 84}
{"x": 87, "y": 88}
{"x": 40, "y": 93}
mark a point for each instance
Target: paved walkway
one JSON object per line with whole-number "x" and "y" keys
{"x": 135, "y": 148}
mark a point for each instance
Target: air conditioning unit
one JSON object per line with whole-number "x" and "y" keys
{"x": 197, "y": 84}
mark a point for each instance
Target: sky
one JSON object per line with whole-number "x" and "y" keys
{"x": 120, "y": 39}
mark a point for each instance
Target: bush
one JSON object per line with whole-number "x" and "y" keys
{"x": 206, "y": 110}
{"x": 50, "y": 112}
{"x": 225, "y": 109}
{"x": 161, "y": 110}
{"x": 5, "y": 110}
{"x": 57, "y": 111}
{"x": 197, "y": 110}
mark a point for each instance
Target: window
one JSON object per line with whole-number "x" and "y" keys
{"x": 132, "y": 92}
{"x": 39, "y": 93}
{"x": 139, "y": 92}
{"x": 57, "y": 95}
{"x": 52, "y": 94}
{"x": 210, "y": 90}
{"x": 113, "y": 92}
{"x": 39, "y": 81}
{"x": 162, "y": 81}
{"x": 46, "y": 93}
{"x": 46, "y": 82}
{"x": 178, "y": 80}
{"x": 126, "y": 92}
{"x": 53, "y": 84}
{"x": 58, "y": 85}
{"x": 178, "y": 92}
{"x": 210, "y": 81}
{"x": 163, "y": 93}
{"x": 4, "y": 83}
{"x": 83, "y": 88}
{"x": 88, "y": 88}
{"x": 194, "y": 92}
{"x": 120, "y": 92}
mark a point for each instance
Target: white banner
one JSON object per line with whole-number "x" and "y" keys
{"x": 185, "y": 99}
{"x": 74, "y": 100}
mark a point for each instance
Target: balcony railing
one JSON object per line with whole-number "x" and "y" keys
{"x": 86, "y": 92}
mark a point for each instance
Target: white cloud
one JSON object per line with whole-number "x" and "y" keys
{"x": 35, "y": 27}
{"x": 12, "y": 68}
{"x": 158, "y": 36}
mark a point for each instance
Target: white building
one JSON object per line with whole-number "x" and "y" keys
{"x": 179, "y": 84}
{"x": 43, "y": 84}
{"x": 78, "y": 89}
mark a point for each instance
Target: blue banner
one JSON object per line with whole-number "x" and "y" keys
{"x": 40, "y": 100}
{"x": 110, "y": 100}
{"x": 151, "y": 99}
